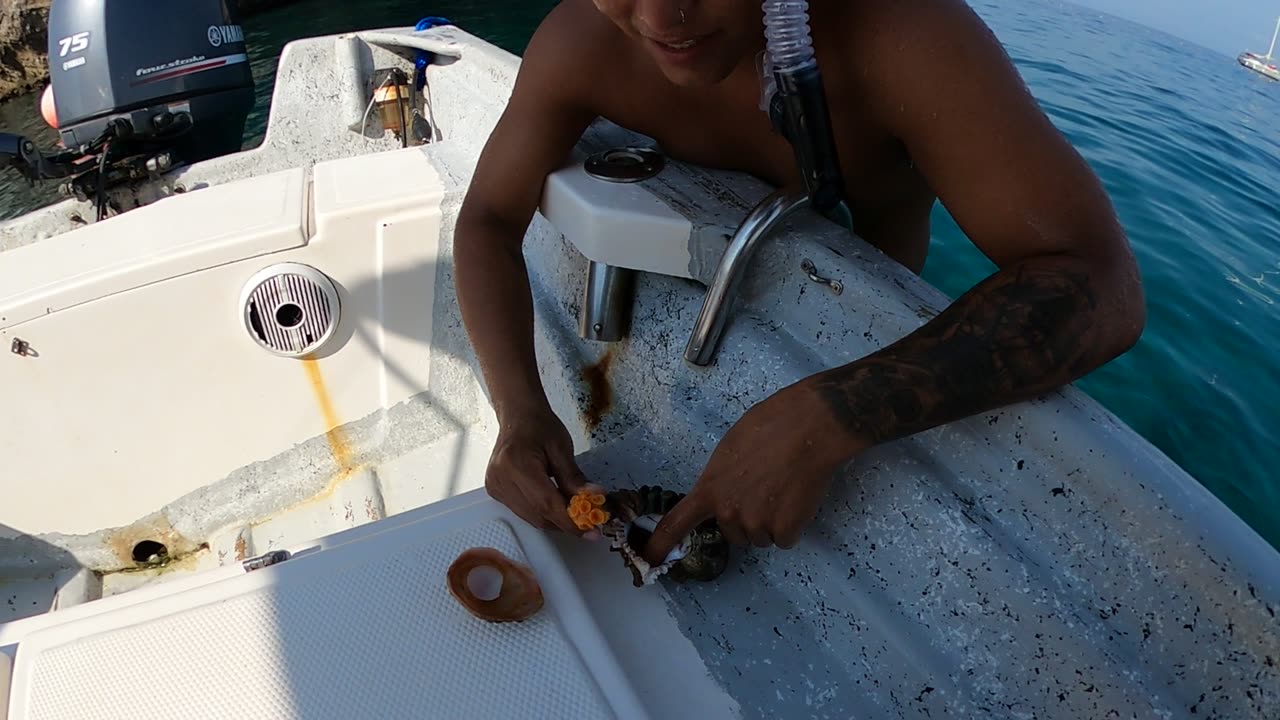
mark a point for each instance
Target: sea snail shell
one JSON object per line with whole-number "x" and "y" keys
{"x": 493, "y": 587}
{"x": 702, "y": 556}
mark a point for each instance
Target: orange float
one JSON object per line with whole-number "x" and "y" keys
{"x": 48, "y": 110}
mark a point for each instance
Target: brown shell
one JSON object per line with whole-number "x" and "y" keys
{"x": 519, "y": 599}
{"x": 708, "y": 550}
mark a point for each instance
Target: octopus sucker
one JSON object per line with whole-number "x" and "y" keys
{"x": 493, "y": 587}
{"x": 632, "y": 516}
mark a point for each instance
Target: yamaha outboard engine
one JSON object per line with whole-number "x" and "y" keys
{"x": 147, "y": 63}
{"x": 140, "y": 87}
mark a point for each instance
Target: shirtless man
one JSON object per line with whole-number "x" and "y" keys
{"x": 925, "y": 107}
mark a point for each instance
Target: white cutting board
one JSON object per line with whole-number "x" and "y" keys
{"x": 362, "y": 626}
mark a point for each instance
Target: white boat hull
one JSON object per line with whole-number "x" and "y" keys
{"x": 1262, "y": 66}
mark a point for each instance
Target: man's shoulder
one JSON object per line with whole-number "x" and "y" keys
{"x": 896, "y": 28}
{"x": 871, "y": 16}
{"x": 896, "y": 45}
{"x": 573, "y": 44}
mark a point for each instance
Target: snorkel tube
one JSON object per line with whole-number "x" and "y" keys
{"x": 797, "y": 105}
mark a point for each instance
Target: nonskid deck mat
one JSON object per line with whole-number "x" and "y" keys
{"x": 367, "y": 628}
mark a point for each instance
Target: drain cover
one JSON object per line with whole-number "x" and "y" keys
{"x": 625, "y": 164}
{"x": 290, "y": 309}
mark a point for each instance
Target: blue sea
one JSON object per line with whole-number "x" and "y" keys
{"x": 1187, "y": 143}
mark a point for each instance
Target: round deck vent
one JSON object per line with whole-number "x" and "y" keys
{"x": 290, "y": 309}
{"x": 625, "y": 164}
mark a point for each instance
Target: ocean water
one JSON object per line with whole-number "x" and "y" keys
{"x": 1186, "y": 142}
{"x": 22, "y": 116}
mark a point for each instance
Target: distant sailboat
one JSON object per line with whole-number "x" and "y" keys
{"x": 1263, "y": 64}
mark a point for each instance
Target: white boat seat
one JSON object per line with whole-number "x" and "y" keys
{"x": 6, "y": 674}
{"x": 203, "y": 228}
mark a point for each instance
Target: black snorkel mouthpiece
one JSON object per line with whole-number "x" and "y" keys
{"x": 799, "y": 112}
{"x": 797, "y": 105}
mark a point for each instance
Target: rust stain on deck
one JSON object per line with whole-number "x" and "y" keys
{"x": 599, "y": 390}
{"x": 339, "y": 447}
{"x": 153, "y": 528}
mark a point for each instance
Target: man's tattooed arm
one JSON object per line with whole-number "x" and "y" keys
{"x": 1067, "y": 297}
{"x": 1026, "y": 330}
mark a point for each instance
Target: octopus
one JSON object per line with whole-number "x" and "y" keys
{"x": 628, "y": 518}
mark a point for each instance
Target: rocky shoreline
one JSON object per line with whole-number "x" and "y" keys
{"x": 24, "y": 38}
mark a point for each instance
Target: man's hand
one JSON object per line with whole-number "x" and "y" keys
{"x": 547, "y": 112}
{"x": 532, "y": 471}
{"x": 767, "y": 477}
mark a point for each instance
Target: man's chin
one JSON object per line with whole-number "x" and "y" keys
{"x": 693, "y": 78}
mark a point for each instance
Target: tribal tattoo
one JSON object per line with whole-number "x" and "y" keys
{"x": 1022, "y": 332}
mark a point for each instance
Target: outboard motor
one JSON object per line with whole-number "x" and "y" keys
{"x": 140, "y": 87}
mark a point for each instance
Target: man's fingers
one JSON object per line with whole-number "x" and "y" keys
{"x": 542, "y": 499}
{"x": 759, "y": 536}
{"x": 550, "y": 504}
{"x": 567, "y": 473}
{"x": 674, "y": 526}
{"x": 788, "y": 536}
{"x": 787, "y": 539}
{"x": 509, "y": 495}
{"x": 733, "y": 532}
{"x": 571, "y": 481}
